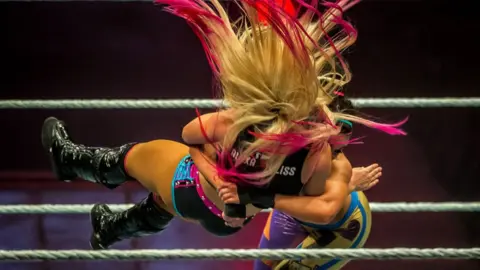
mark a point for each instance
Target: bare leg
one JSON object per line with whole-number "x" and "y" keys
{"x": 153, "y": 164}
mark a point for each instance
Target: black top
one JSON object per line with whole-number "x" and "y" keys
{"x": 287, "y": 180}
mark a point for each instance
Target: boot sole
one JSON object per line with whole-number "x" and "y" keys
{"x": 47, "y": 128}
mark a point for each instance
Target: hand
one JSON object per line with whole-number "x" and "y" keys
{"x": 228, "y": 193}
{"x": 233, "y": 222}
{"x": 364, "y": 178}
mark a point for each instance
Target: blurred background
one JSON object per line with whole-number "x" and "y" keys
{"x": 134, "y": 50}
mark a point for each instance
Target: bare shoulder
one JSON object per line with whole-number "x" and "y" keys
{"x": 208, "y": 128}
{"x": 221, "y": 117}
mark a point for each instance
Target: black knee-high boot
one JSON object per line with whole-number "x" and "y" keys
{"x": 144, "y": 218}
{"x": 70, "y": 160}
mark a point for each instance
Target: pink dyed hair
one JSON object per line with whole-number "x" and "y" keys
{"x": 212, "y": 26}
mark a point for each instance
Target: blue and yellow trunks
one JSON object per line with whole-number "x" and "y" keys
{"x": 283, "y": 231}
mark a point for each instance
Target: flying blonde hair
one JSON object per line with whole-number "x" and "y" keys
{"x": 276, "y": 67}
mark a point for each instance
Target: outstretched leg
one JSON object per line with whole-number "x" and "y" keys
{"x": 152, "y": 164}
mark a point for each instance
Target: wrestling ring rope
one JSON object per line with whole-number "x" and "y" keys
{"x": 395, "y": 207}
{"x": 243, "y": 254}
{"x": 235, "y": 254}
{"x": 238, "y": 254}
{"x": 467, "y": 102}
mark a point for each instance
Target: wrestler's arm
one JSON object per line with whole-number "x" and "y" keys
{"x": 205, "y": 165}
{"x": 215, "y": 127}
{"x": 324, "y": 208}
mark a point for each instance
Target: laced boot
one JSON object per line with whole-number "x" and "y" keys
{"x": 70, "y": 160}
{"x": 144, "y": 218}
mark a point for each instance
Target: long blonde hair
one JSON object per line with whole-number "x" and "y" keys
{"x": 282, "y": 70}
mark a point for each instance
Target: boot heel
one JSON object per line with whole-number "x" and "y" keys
{"x": 48, "y": 128}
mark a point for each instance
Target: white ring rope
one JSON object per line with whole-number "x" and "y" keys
{"x": 215, "y": 103}
{"x": 396, "y": 207}
{"x": 242, "y": 254}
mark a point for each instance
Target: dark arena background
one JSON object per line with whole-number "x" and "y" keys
{"x": 133, "y": 50}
